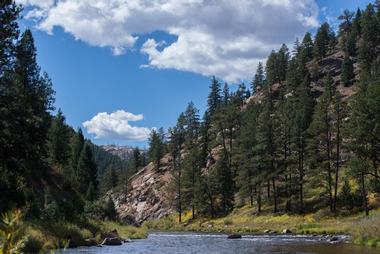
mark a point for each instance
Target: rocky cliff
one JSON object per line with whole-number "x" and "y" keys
{"x": 124, "y": 152}
{"x": 148, "y": 194}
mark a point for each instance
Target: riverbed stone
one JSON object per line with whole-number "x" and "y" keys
{"x": 234, "y": 236}
{"x": 112, "y": 241}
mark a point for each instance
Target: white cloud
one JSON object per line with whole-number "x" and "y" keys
{"x": 116, "y": 126}
{"x": 214, "y": 37}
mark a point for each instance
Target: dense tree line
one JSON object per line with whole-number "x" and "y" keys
{"x": 46, "y": 167}
{"x": 298, "y": 144}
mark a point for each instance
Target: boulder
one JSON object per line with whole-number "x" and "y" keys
{"x": 286, "y": 231}
{"x": 112, "y": 241}
{"x": 334, "y": 239}
{"x": 267, "y": 231}
{"x": 234, "y": 236}
{"x": 89, "y": 242}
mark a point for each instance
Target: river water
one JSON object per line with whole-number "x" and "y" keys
{"x": 181, "y": 243}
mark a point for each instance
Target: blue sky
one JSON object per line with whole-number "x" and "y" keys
{"x": 138, "y": 67}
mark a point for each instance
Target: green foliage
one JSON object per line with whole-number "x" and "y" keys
{"x": 347, "y": 75}
{"x": 259, "y": 79}
{"x": 12, "y": 231}
{"x": 156, "y": 147}
{"x": 346, "y": 195}
{"x": 214, "y": 98}
{"x": 109, "y": 209}
{"x": 322, "y": 41}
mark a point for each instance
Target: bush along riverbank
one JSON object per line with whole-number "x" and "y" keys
{"x": 22, "y": 236}
{"x": 363, "y": 230}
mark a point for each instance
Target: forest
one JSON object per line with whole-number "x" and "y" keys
{"x": 304, "y": 136}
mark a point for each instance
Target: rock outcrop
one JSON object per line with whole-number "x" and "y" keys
{"x": 148, "y": 194}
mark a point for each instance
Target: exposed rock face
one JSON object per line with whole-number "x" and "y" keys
{"x": 124, "y": 152}
{"x": 148, "y": 195}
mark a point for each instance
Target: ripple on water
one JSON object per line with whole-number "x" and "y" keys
{"x": 183, "y": 243}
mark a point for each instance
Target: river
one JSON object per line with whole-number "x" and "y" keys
{"x": 181, "y": 243}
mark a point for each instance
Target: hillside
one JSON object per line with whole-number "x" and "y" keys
{"x": 300, "y": 140}
{"x": 147, "y": 196}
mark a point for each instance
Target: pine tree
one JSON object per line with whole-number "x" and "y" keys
{"x": 86, "y": 172}
{"x": 370, "y": 29}
{"x": 59, "y": 136}
{"x": 10, "y": 138}
{"x": 192, "y": 162}
{"x": 347, "y": 71}
{"x": 110, "y": 210}
{"x": 345, "y": 25}
{"x": 320, "y": 140}
{"x": 307, "y": 47}
{"x": 244, "y": 155}
{"x": 346, "y": 195}
{"x": 322, "y": 41}
{"x": 259, "y": 79}
{"x": 214, "y": 97}
{"x": 77, "y": 143}
{"x": 156, "y": 148}
{"x": 266, "y": 145}
{"x": 136, "y": 159}
{"x": 109, "y": 179}
{"x": 225, "y": 183}
{"x": 10, "y": 12}
{"x": 176, "y": 142}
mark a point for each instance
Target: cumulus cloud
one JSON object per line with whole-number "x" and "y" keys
{"x": 214, "y": 37}
{"x": 116, "y": 126}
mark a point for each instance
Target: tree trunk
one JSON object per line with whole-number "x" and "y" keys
{"x": 274, "y": 195}
{"x": 337, "y": 159}
{"x": 259, "y": 200}
{"x": 301, "y": 172}
{"x": 179, "y": 191}
{"x": 364, "y": 195}
{"x": 328, "y": 155}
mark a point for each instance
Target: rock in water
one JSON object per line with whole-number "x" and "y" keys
{"x": 234, "y": 236}
{"x": 286, "y": 231}
{"x": 112, "y": 241}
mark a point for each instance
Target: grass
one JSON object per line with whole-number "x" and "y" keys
{"x": 40, "y": 237}
{"x": 363, "y": 230}
{"x": 126, "y": 231}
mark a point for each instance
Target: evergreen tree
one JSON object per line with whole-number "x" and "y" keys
{"x": 192, "y": 162}
{"x": 59, "y": 146}
{"x": 214, "y": 97}
{"x": 10, "y": 138}
{"x": 77, "y": 143}
{"x": 156, "y": 148}
{"x": 266, "y": 145}
{"x": 321, "y": 141}
{"x": 9, "y": 13}
{"x": 176, "y": 142}
{"x": 86, "y": 172}
{"x": 136, "y": 159}
{"x": 225, "y": 183}
{"x": 322, "y": 41}
{"x": 259, "y": 79}
{"x": 370, "y": 29}
{"x": 109, "y": 179}
{"x": 347, "y": 71}
{"x": 346, "y": 195}
{"x": 307, "y": 47}
{"x": 244, "y": 156}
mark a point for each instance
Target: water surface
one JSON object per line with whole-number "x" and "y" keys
{"x": 181, "y": 243}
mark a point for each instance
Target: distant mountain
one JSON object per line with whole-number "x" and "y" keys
{"x": 124, "y": 152}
